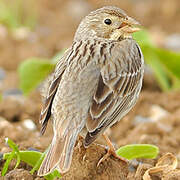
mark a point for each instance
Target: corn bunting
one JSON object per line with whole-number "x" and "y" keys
{"x": 95, "y": 83}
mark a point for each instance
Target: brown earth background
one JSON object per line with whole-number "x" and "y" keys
{"x": 154, "y": 120}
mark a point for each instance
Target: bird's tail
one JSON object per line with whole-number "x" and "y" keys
{"x": 59, "y": 154}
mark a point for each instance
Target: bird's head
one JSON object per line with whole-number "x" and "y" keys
{"x": 109, "y": 23}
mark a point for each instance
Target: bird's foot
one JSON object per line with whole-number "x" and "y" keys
{"x": 111, "y": 152}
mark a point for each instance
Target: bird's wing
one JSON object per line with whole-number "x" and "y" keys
{"x": 46, "y": 109}
{"x": 121, "y": 78}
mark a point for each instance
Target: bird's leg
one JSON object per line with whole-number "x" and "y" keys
{"x": 111, "y": 151}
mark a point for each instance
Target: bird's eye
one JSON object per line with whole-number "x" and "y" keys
{"x": 107, "y": 21}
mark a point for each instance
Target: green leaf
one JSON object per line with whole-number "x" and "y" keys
{"x": 143, "y": 38}
{"x": 38, "y": 163}
{"x": 6, "y": 164}
{"x": 13, "y": 146}
{"x": 53, "y": 175}
{"x": 176, "y": 83}
{"x": 156, "y": 65}
{"x": 171, "y": 60}
{"x": 15, "y": 152}
{"x": 33, "y": 71}
{"x": 29, "y": 157}
{"x": 34, "y": 159}
{"x": 138, "y": 151}
{"x": 165, "y": 64}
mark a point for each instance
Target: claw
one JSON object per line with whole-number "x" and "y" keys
{"x": 103, "y": 158}
{"x": 84, "y": 157}
{"x": 111, "y": 151}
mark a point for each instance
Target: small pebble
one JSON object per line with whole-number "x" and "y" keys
{"x": 4, "y": 123}
{"x": 2, "y": 74}
{"x": 165, "y": 127}
{"x": 133, "y": 164}
{"x": 140, "y": 119}
{"x": 12, "y": 92}
{"x": 33, "y": 149}
{"x": 157, "y": 113}
{"x": 29, "y": 124}
{"x": 21, "y": 33}
{"x": 173, "y": 42}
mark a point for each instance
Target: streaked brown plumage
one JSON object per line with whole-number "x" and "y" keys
{"x": 95, "y": 83}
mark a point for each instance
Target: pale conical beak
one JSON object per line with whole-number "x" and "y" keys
{"x": 130, "y": 25}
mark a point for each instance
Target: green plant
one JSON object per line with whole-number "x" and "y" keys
{"x": 17, "y": 13}
{"x": 134, "y": 151}
{"x": 34, "y": 158}
{"x": 164, "y": 63}
{"x": 1, "y": 97}
{"x": 32, "y": 72}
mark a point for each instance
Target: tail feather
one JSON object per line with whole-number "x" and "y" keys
{"x": 66, "y": 158}
{"x": 52, "y": 157}
{"x": 59, "y": 154}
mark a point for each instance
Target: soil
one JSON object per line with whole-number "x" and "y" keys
{"x": 154, "y": 120}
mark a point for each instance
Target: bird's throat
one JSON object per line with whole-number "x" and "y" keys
{"x": 118, "y": 35}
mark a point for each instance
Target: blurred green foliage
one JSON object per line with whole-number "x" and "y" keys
{"x": 32, "y": 72}
{"x": 164, "y": 63}
{"x": 18, "y": 13}
{"x": 32, "y": 158}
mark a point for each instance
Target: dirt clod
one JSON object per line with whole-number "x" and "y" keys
{"x": 18, "y": 174}
{"x": 84, "y": 165}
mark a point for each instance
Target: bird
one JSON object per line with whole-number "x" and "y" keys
{"x": 95, "y": 83}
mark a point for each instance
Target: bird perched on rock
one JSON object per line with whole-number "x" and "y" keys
{"x": 95, "y": 83}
